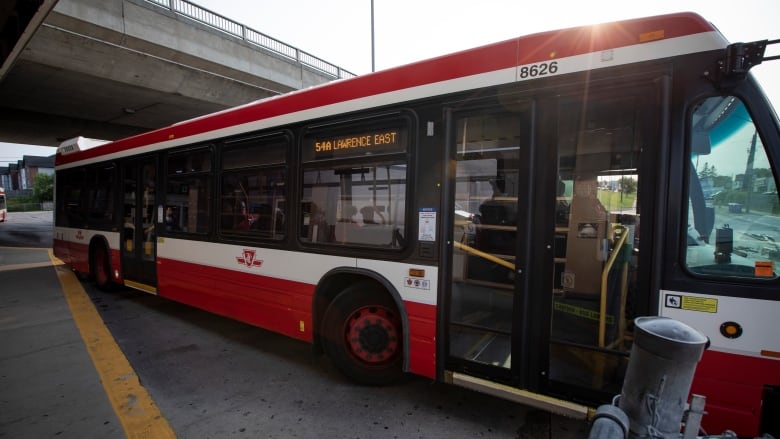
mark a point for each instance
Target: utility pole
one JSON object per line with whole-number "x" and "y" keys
{"x": 373, "y": 64}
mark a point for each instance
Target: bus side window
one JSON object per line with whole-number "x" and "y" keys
{"x": 733, "y": 210}
{"x": 188, "y": 195}
{"x": 254, "y": 174}
{"x": 362, "y": 206}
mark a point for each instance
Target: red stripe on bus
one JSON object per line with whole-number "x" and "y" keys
{"x": 275, "y": 304}
{"x": 734, "y": 386}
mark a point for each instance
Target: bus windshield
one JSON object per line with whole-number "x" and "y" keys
{"x": 733, "y": 209}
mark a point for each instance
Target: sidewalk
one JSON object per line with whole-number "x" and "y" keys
{"x": 49, "y": 384}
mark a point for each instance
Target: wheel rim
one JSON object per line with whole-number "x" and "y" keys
{"x": 372, "y": 334}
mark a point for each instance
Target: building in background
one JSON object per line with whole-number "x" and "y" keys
{"x": 19, "y": 178}
{"x": 5, "y": 178}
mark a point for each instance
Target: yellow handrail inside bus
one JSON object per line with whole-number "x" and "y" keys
{"x": 481, "y": 254}
{"x": 604, "y": 275}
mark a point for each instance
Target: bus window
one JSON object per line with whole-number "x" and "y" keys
{"x": 100, "y": 197}
{"x": 363, "y": 205}
{"x": 188, "y": 192}
{"x": 70, "y": 208}
{"x": 253, "y": 187}
{"x": 733, "y": 226}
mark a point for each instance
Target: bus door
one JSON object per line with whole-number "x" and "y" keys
{"x": 489, "y": 246}
{"x": 606, "y": 166}
{"x": 138, "y": 238}
{"x": 546, "y": 273}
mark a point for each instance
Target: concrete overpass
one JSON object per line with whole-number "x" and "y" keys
{"x": 112, "y": 68}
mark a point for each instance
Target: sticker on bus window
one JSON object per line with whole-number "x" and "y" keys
{"x": 427, "y": 224}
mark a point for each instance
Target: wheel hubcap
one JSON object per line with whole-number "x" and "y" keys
{"x": 372, "y": 334}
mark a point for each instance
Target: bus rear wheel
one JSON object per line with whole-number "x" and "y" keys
{"x": 362, "y": 335}
{"x": 101, "y": 268}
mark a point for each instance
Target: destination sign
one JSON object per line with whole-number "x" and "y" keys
{"x": 381, "y": 141}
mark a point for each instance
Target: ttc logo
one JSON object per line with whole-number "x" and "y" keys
{"x": 248, "y": 259}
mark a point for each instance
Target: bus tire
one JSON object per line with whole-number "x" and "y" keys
{"x": 101, "y": 268}
{"x": 362, "y": 335}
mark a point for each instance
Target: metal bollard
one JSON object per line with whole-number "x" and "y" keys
{"x": 659, "y": 376}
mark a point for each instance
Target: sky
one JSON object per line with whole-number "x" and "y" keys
{"x": 339, "y": 31}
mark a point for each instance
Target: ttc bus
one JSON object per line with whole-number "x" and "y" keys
{"x": 494, "y": 218}
{"x": 3, "y": 208}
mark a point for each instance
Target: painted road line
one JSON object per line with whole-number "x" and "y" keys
{"x": 139, "y": 415}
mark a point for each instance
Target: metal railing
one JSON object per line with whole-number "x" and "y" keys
{"x": 238, "y": 30}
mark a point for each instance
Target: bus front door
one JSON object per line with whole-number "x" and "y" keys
{"x": 491, "y": 205}
{"x": 542, "y": 299}
{"x": 140, "y": 218}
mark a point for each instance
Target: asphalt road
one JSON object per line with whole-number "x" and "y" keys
{"x": 212, "y": 377}
{"x": 27, "y": 229}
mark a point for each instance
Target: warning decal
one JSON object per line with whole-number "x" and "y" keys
{"x": 581, "y": 312}
{"x": 692, "y": 303}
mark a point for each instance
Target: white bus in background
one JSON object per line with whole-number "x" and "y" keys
{"x": 3, "y": 207}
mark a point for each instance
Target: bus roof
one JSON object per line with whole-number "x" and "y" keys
{"x": 574, "y": 49}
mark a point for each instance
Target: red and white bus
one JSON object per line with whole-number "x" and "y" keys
{"x": 3, "y": 208}
{"x": 495, "y": 218}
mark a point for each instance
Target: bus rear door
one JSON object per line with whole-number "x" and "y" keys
{"x": 138, "y": 238}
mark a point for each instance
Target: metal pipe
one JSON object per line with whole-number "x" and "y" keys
{"x": 659, "y": 376}
{"x": 609, "y": 422}
{"x": 618, "y": 249}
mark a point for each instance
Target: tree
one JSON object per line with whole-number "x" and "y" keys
{"x": 762, "y": 172}
{"x": 708, "y": 171}
{"x": 43, "y": 188}
{"x": 722, "y": 181}
{"x": 627, "y": 185}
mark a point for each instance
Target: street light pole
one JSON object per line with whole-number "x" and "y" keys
{"x": 373, "y": 66}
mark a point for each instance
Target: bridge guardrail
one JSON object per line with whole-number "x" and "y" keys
{"x": 236, "y": 29}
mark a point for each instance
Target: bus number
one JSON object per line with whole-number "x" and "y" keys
{"x": 541, "y": 69}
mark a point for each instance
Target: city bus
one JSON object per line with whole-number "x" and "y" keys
{"x": 3, "y": 208}
{"x": 495, "y": 218}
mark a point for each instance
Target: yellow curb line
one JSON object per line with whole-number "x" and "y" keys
{"x": 139, "y": 415}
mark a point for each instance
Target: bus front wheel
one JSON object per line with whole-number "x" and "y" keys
{"x": 362, "y": 335}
